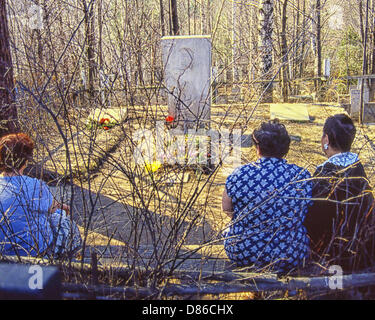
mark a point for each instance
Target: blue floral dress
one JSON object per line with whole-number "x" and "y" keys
{"x": 270, "y": 199}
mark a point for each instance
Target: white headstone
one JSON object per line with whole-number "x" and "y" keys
{"x": 354, "y": 100}
{"x": 327, "y": 68}
{"x": 187, "y": 71}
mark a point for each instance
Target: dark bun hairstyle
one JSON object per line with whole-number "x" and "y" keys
{"x": 341, "y": 132}
{"x": 272, "y": 138}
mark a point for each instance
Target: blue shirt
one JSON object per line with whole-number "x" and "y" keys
{"x": 24, "y": 226}
{"x": 270, "y": 200}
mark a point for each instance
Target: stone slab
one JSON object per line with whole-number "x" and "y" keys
{"x": 369, "y": 113}
{"x": 187, "y": 70}
{"x": 289, "y": 111}
{"x": 355, "y": 96}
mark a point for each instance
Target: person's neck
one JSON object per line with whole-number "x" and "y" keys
{"x": 331, "y": 152}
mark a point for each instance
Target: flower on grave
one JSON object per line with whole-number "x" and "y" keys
{"x": 153, "y": 166}
{"x": 169, "y": 119}
{"x": 104, "y": 121}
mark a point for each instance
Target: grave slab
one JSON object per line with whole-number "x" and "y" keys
{"x": 289, "y": 111}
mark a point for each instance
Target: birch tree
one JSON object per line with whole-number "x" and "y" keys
{"x": 266, "y": 46}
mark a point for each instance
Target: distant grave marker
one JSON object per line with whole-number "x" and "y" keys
{"x": 187, "y": 69}
{"x": 289, "y": 111}
{"x": 327, "y": 68}
{"x": 369, "y": 113}
{"x": 355, "y": 97}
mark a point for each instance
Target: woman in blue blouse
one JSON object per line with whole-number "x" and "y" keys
{"x": 268, "y": 201}
{"x": 32, "y": 223}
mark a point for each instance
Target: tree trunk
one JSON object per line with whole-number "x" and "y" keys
{"x": 203, "y": 19}
{"x": 301, "y": 57}
{"x": 175, "y": 26}
{"x": 318, "y": 40}
{"x": 162, "y": 23}
{"x": 360, "y": 10}
{"x": 266, "y": 47}
{"x": 364, "y": 66}
{"x": 284, "y": 53}
{"x": 234, "y": 42}
{"x": 8, "y": 110}
{"x": 90, "y": 38}
{"x": 373, "y": 37}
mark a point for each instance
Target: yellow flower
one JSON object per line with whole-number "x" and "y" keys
{"x": 152, "y": 167}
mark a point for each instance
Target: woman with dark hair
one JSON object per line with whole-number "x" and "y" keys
{"x": 32, "y": 223}
{"x": 339, "y": 221}
{"x": 267, "y": 201}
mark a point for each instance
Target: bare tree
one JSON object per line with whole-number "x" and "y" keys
{"x": 316, "y": 41}
{"x": 88, "y": 8}
{"x": 162, "y": 22}
{"x": 284, "y": 52}
{"x": 8, "y": 111}
{"x": 266, "y": 46}
{"x": 174, "y": 11}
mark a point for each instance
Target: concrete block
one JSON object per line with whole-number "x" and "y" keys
{"x": 29, "y": 282}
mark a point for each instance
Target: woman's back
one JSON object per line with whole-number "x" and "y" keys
{"x": 340, "y": 220}
{"x": 24, "y": 204}
{"x": 270, "y": 199}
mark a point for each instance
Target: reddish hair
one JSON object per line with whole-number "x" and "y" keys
{"x": 15, "y": 150}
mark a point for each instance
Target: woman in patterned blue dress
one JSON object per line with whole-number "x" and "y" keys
{"x": 268, "y": 200}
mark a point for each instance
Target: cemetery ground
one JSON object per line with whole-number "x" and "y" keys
{"x": 152, "y": 224}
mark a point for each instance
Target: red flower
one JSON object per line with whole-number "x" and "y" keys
{"x": 103, "y": 120}
{"x": 169, "y": 119}
{"x": 105, "y": 128}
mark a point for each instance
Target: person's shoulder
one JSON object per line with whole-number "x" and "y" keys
{"x": 30, "y": 181}
{"x": 326, "y": 169}
{"x": 245, "y": 167}
{"x": 298, "y": 170}
{"x": 246, "y": 170}
{"x": 358, "y": 167}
